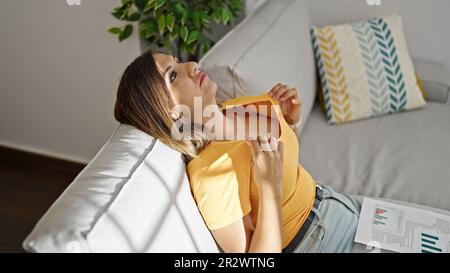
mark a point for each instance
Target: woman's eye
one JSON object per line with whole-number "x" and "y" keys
{"x": 173, "y": 75}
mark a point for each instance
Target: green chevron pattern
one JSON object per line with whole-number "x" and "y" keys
{"x": 395, "y": 78}
{"x": 378, "y": 89}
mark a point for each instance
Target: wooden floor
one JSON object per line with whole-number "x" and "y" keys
{"x": 29, "y": 184}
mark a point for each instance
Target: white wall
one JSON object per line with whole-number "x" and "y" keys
{"x": 59, "y": 72}
{"x": 427, "y": 22}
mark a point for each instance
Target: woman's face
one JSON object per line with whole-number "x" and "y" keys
{"x": 183, "y": 82}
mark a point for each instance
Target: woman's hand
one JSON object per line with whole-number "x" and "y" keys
{"x": 267, "y": 163}
{"x": 289, "y": 101}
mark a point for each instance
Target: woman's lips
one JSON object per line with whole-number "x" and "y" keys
{"x": 203, "y": 77}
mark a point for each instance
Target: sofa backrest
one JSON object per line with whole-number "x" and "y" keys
{"x": 270, "y": 46}
{"x": 134, "y": 196}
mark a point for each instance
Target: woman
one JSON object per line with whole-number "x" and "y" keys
{"x": 249, "y": 188}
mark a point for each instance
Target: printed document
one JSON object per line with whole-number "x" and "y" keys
{"x": 402, "y": 228}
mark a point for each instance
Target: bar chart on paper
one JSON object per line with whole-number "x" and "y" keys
{"x": 379, "y": 218}
{"x": 387, "y": 218}
{"x": 429, "y": 243}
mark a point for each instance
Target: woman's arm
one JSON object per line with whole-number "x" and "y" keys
{"x": 236, "y": 237}
{"x": 267, "y": 169}
{"x": 241, "y": 236}
{"x": 267, "y": 235}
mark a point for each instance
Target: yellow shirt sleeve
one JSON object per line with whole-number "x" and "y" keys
{"x": 222, "y": 192}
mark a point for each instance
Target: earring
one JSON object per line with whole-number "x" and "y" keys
{"x": 176, "y": 116}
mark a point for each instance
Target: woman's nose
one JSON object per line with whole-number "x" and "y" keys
{"x": 194, "y": 68}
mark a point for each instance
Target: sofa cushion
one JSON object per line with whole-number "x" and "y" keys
{"x": 403, "y": 157}
{"x": 365, "y": 69}
{"x": 270, "y": 46}
{"x": 133, "y": 196}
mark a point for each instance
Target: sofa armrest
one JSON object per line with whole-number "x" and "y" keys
{"x": 436, "y": 80}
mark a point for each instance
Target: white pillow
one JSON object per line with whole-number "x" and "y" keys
{"x": 134, "y": 196}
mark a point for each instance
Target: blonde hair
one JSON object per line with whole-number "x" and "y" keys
{"x": 143, "y": 102}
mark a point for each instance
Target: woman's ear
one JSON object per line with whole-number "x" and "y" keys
{"x": 175, "y": 115}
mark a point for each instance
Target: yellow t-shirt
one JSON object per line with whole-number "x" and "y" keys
{"x": 222, "y": 183}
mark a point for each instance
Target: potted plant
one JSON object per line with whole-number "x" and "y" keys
{"x": 177, "y": 26}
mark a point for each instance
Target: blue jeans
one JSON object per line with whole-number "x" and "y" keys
{"x": 334, "y": 227}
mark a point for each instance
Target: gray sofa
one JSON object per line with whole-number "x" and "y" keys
{"x": 134, "y": 195}
{"x": 403, "y": 156}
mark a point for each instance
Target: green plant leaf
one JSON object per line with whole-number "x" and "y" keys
{"x": 149, "y": 5}
{"x": 173, "y": 36}
{"x": 168, "y": 45}
{"x": 115, "y": 30}
{"x": 226, "y": 15}
{"x": 182, "y": 47}
{"x": 161, "y": 23}
{"x": 205, "y": 47}
{"x": 179, "y": 8}
{"x": 170, "y": 21}
{"x": 140, "y": 4}
{"x": 193, "y": 36}
{"x": 192, "y": 48}
{"x": 217, "y": 15}
{"x": 134, "y": 17}
{"x": 127, "y": 31}
{"x": 118, "y": 13}
{"x": 196, "y": 19}
{"x": 159, "y": 3}
{"x": 184, "y": 17}
{"x": 204, "y": 19}
{"x": 238, "y": 4}
{"x": 184, "y": 32}
{"x": 147, "y": 28}
{"x": 121, "y": 12}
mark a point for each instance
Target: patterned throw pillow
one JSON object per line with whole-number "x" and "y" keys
{"x": 365, "y": 69}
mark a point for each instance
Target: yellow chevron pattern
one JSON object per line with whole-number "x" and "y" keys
{"x": 355, "y": 72}
{"x": 334, "y": 72}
